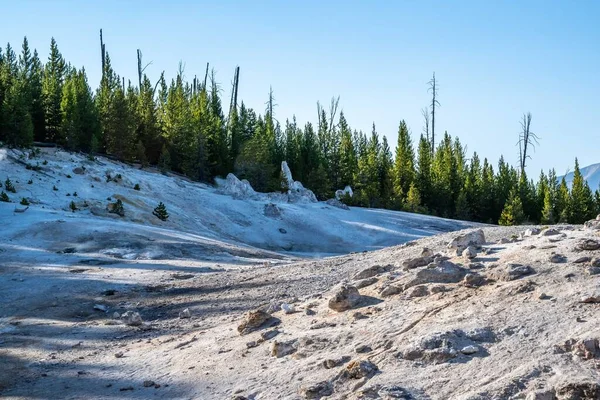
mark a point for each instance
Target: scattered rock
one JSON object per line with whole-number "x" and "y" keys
{"x": 593, "y": 224}
{"x": 78, "y": 171}
{"x": 365, "y": 282}
{"x": 417, "y": 262}
{"x": 438, "y": 289}
{"x": 363, "y": 348}
{"x": 288, "y": 308}
{"x": 588, "y": 244}
{"x": 543, "y": 296}
{"x": 185, "y": 314}
{"x": 337, "y": 203}
{"x": 149, "y": 383}
{"x": 595, "y": 298}
{"x": 390, "y": 290}
{"x": 317, "y": 390}
{"x": 581, "y": 260}
{"x": 358, "y": 369}
{"x": 332, "y": 363}
{"x": 541, "y": 395}
{"x": 512, "y": 271}
{"x": 344, "y": 298}
{"x": 468, "y": 350}
{"x": 132, "y": 318}
{"x": 253, "y": 321}
{"x": 557, "y": 258}
{"x": 531, "y": 232}
{"x": 472, "y": 280}
{"x": 282, "y": 349}
{"x": 119, "y": 354}
{"x": 357, "y": 315}
{"x": 309, "y": 311}
{"x": 470, "y": 252}
{"x": 549, "y": 232}
{"x": 586, "y": 349}
{"x": 438, "y": 272}
{"x": 281, "y": 230}
{"x": 268, "y": 335}
{"x": 580, "y": 390}
{"x": 371, "y": 272}
{"x": 252, "y": 344}
{"x": 100, "y": 307}
{"x": 417, "y": 291}
{"x": 460, "y": 243}
{"x": 592, "y": 270}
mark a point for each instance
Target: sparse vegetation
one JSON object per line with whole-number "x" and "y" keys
{"x": 73, "y": 206}
{"x": 136, "y": 187}
{"x": 69, "y": 176}
{"x": 45, "y": 162}
{"x": 8, "y": 185}
{"x": 29, "y": 182}
{"x": 4, "y": 197}
{"x": 117, "y": 208}
{"x": 160, "y": 212}
{"x": 24, "y": 202}
{"x": 75, "y": 194}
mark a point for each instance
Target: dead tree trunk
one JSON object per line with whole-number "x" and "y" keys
{"x": 102, "y": 53}
{"x": 527, "y": 139}
{"x": 434, "y": 103}
{"x": 139, "y": 59}
{"x": 205, "y": 77}
{"x": 425, "y": 114}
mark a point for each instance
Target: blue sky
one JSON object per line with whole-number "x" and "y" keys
{"x": 494, "y": 60}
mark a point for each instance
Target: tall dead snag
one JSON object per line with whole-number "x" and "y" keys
{"x": 234, "y": 90}
{"x": 333, "y": 111}
{"x": 433, "y": 89}
{"x": 140, "y": 68}
{"x": 205, "y": 77}
{"x": 527, "y": 139}
{"x": 102, "y": 53}
{"x": 425, "y": 114}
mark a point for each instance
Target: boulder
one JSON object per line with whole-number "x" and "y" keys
{"x": 442, "y": 271}
{"x": 588, "y": 244}
{"x": 460, "y": 243}
{"x": 345, "y": 297}
{"x": 317, "y": 390}
{"x": 253, "y": 320}
{"x": 512, "y": 271}
{"x": 470, "y": 252}
{"x": 371, "y": 271}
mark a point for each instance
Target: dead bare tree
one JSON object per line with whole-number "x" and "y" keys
{"x": 527, "y": 139}
{"x": 102, "y": 53}
{"x": 205, "y": 77}
{"x": 425, "y": 114}
{"x": 234, "y": 90}
{"x": 433, "y": 89}
{"x": 140, "y": 69}
{"x": 333, "y": 111}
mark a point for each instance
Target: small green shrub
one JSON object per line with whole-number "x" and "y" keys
{"x": 29, "y": 182}
{"x": 136, "y": 187}
{"x": 75, "y": 194}
{"x": 73, "y": 206}
{"x": 8, "y": 185}
{"x": 24, "y": 202}
{"x": 160, "y": 212}
{"x": 117, "y": 208}
{"x": 4, "y": 197}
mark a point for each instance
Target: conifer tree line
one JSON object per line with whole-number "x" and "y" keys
{"x": 182, "y": 126}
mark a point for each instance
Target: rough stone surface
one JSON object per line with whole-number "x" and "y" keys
{"x": 345, "y": 297}
{"x": 370, "y": 272}
{"x": 438, "y": 272}
{"x": 474, "y": 238}
{"x": 470, "y": 252}
{"x": 253, "y": 321}
{"x": 317, "y": 390}
{"x": 512, "y": 271}
{"x": 588, "y": 244}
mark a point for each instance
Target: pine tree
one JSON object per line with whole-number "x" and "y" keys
{"x": 548, "y": 209}
{"x": 404, "y": 165}
{"x": 423, "y": 174}
{"x": 413, "y": 200}
{"x": 52, "y": 92}
{"x": 581, "y": 204}
{"x": 348, "y": 159}
{"x": 160, "y": 212}
{"x": 512, "y": 214}
{"x": 563, "y": 202}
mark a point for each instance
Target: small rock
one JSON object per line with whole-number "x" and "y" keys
{"x": 358, "y": 369}
{"x": 149, "y": 383}
{"x": 438, "y": 289}
{"x": 390, "y": 290}
{"x": 281, "y": 230}
{"x": 581, "y": 260}
{"x": 469, "y": 253}
{"x": 557, "y": 258}
{"x": 418, "y": 291}
{"x": 468, "y": 350}
{"x": 78, "y": 171}
{"x": 344, "y": 298}
{"x": 543, "y": 296}
{"x": 119, "y": 355}
{"x": 252, "y": 321}
{"x": 317, "y": 390}
{"x": 531, "y": 232}
{"x": 504, "y": 241}
{"x": 309, "y": 311}
{"x": 116, "y": 315}
{"x": 365, "y": 282}
{"x": 591, "y": 270}
{"x": 100, "y": 307}
{"x": 473, "y": 280}
{"x": 288, "y": 308}
{"x": 252, "y": 344}
{"x": 595, "y": 298}
{"x": 541, "y": 395}
{"x": 363, "y": 348}
{"x": 282, "y": 349}
{"x": 512, "y": 271}
{"x": 549, "y": 232}
{"x": 267, "y": 335}
{"x": 185, "y": 314}
{"x": 417, "y": 262}
{"x": 588, "y": 244}
{"x": 132, "y": 318}
{"x": 370, "y": 272}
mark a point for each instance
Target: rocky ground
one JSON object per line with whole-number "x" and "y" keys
{"x": 496, "y": 313}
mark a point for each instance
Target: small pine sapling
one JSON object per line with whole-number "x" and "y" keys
{"x": 30, "y": 182}
{"x": 24, "y": 202}
{"x": 117, "y": 208}
{"x": 8, "y": 185}
{"x": 4, "y": 197}
{"x": 73, "y": 206}
{"x": 75, "y": 194}
{"x": 136, "y": 187}
{"x": 69, "y": 176}
{"x": 160, "y": 212}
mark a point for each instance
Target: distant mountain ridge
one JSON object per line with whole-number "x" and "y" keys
{"x": 591, "y": 174}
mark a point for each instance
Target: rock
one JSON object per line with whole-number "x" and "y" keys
{"x": 541, "y": 395}
{"x": 557, "y": 258}
{"x": 268, "y": 335}
{"x": 295, "y": 191}
{"x": 78, "y": 171}
{"x": 132, "y": 318}
{"x": 418, "y": 291}
{"x": 365, "y": 282}
{"x": 473, "y": 280}
{"x": 371, "y": 271}
{"x": 317, "y": 390}
{"x": 595, "y": 262}
{"x": 543, "y": 296}
{"x": 339, "y": 194}
{"x": 358, "y": 369}
{"x": 470, "y": 349}
{"x": 337, "y": 203}
{"x": 282, "y": 349}
{"x": 581, "y": 260}
{"x": 474, "y": 238}
{"x": 252, "y": 344}
{"x": 357, "y": 315}
{"x": 185, "y": 314}
{"x": 438, "y": 272}
{"x": 283, "y": 231}
{"x": 390, "y": 290}
{"x": 344, "y": 298}
{"x": 438, "y": 289}
{"x": 149, "y": 383}
{"x": 116, "y": 315}
{"x": 237, "y": 189}
{"x": 578, "y": 391}
{"x": 253, "y": 321}
{"x": 288, "y": 308}
{"x": 417, "y": 262}
{"x": 594, "y": 298}
{"x": 119, "y": 354}
{"x": 531, "y": 232}
{"x": 309, "y": 311}
{"x": 504, "y": 241}
{"x": 475, "y": 265}
{"x": 271, "y": 210}
{"x": 426, "y": 252}
{"x": 470, "y": 252}
{"x": 593, "y": 224}
{"x": 332, "y": 363}
{"x": 363, "y": 348}
{"x": 549, "y": 232}
{"x": 591, "y": 270}
{"x": 588, "y": 244}
{"x": 512, "y": 271}
{"x": 100, "y": 307}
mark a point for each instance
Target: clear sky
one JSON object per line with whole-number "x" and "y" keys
{"x": 493, "y": 59}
